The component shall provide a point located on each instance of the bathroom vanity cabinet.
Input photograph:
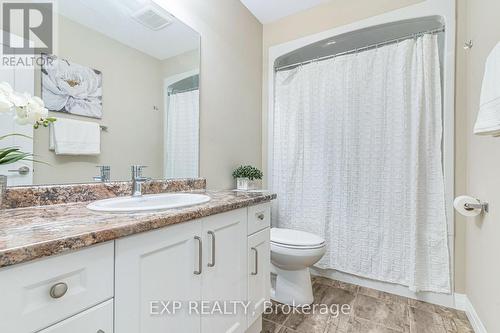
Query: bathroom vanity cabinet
(129, 285)
(204, 260)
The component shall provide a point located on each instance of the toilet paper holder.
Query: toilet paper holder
(483, 206)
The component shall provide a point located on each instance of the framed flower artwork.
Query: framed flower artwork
(71, 88)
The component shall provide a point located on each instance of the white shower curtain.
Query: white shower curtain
(182, 135)
(357, 159)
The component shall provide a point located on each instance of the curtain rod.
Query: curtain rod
(364, 48)
(180, 91)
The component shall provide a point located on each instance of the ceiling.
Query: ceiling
(267, 11)
(113, 19)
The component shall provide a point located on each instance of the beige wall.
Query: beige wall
(132, 85)
(332, 14)
(181, 63)
(480, 19)
(230, 85)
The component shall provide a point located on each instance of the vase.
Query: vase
(244, 184)
(3, 188)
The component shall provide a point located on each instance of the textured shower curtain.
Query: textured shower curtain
(357, 159)
(182, 135)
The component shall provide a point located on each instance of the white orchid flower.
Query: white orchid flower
(35, 111)
(5, 104)
(37, 100)
(20, 99)
(6, 89)
(28, 109)
(5, 97)
(21, 116)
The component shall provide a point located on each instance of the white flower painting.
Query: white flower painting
(72, 88)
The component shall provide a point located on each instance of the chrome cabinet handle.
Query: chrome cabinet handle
(58, 290)
(212, 263)
(200, 254)
(261, 216)
(256, 261)
(24, 170)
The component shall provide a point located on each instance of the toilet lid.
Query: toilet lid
(295, 238)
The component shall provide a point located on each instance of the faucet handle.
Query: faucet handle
(104, 174)
(137, 170)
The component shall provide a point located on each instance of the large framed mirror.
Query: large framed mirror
(123, 85)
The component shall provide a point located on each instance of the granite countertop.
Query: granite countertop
(36, 232)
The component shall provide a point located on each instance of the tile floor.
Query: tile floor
(371, 311)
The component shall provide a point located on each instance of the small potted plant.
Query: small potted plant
(27, 110)
(245, 177)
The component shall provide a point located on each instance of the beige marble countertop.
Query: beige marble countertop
(36, 232)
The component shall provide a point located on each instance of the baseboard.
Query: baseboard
(474, 319)
(456, 301)
(256, 327)
(447, 300)
(461, 301)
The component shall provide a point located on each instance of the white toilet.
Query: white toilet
(292, 253)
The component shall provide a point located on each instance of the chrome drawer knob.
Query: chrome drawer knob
(260, 216)
(58, 290)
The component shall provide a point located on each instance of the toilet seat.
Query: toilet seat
(295, 239)
(295, 247)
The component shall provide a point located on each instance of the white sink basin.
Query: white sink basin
(148, 203)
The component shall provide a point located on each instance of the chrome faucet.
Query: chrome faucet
(138, 180)
(104, 174)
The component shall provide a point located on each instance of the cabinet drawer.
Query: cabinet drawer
(34, 296)
(259, 217)
(98, 319)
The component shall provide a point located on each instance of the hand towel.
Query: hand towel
(75, 137)
(488, 118)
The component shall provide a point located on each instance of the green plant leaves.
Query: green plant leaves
(15, 134)
(247, 171)
(12, 155)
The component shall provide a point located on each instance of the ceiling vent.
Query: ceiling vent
(153, 18)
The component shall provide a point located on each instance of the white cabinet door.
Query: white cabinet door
(259, 284)
(98, 319)
(225, 275)
(154, 267)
